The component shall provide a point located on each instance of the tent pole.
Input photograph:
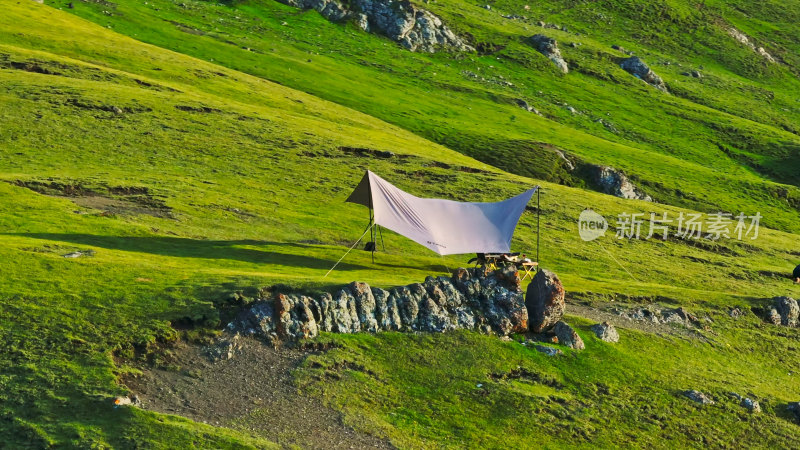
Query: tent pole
(381, 233)
(538, 213)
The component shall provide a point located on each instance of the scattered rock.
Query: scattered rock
(567, 336)
(411, 26)
(751, 405)
(524, 105)
(572, 110)
(656, 315)
(544, 300)
(736, 313)
(224, 349)
(698, 397)
(606, 332)
(639, 69)
(116, 110)
(487, 7)
(549, 351)
(489, 302)
(784, 311)
(127, 401)
(549, 48)
(615, 182)
(745, 40)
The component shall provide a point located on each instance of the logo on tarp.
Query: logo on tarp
(591, 225)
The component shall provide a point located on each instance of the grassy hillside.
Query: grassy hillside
(183, 174)
(720, 142)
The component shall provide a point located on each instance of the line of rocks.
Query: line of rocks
(489, 302)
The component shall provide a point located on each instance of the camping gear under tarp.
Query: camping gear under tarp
(447, 227)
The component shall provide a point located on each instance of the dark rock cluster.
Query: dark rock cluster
(400, 20)
(486, 301)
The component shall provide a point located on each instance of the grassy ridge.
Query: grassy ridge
(199, 180)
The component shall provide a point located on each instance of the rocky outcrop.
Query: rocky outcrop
(549, 48)
(544, 301)
(488, 302)
(745, 40)
(613, 182)
(639, 69)
(413, 27)
(784, 311)
(567, 336)
(606, 332)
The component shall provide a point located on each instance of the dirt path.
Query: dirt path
(253, 392)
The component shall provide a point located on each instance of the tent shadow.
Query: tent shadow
(198, 248)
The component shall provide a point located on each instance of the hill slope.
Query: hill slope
(181, 180)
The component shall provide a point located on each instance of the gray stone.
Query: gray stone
(606, 332)
(698, 397)
(544, 301)
(549, 48)
(751, 405)
(639, 69)
(567, 336)
(613, 182)
(365, 306)
(549, 351)
(788, 311)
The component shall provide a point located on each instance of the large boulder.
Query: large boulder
(549, 48)
(544, 301)
(639, 69)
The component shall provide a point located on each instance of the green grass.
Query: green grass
(716, 143)
(245, 181)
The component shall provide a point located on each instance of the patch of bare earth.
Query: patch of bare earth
(253, 392)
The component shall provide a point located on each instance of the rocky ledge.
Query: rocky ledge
(490, 302)
(413, 27)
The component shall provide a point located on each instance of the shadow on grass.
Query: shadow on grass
(199, 248)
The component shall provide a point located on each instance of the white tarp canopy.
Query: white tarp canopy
(444, 226)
